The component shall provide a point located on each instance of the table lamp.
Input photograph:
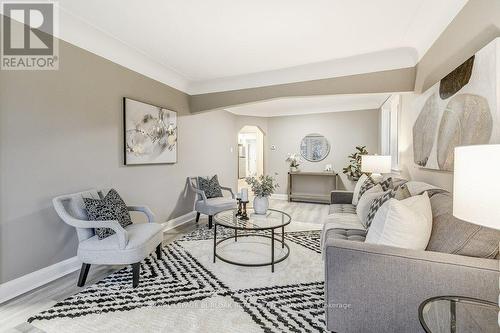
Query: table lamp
(376, 165)
(475, 185)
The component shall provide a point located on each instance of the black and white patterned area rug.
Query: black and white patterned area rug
(186, 292)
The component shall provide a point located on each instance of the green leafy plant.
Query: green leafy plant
(353, 170)
(262, 186)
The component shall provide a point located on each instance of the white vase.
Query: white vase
(260, 205)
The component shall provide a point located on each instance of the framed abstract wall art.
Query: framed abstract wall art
(150, 133)
(462, 109)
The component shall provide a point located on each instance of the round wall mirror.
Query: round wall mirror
(314, 147)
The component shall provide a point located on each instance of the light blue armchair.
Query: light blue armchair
(129, 245)
(211, 206)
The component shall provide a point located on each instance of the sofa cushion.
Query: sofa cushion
(343, 221)
(346, 234)
(215, 205)
(343, 217)
(142, 239)
(452, 235)
(342, 208)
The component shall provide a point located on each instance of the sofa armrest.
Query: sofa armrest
(378, 288)
(341, 197)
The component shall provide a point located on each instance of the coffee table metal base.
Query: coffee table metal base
(270, 263)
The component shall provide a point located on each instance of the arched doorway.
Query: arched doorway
(250, 154)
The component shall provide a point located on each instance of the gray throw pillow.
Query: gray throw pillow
(211, 187)
(111, 207)
(452, 235)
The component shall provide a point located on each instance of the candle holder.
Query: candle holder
(238, 213)
(244, 215)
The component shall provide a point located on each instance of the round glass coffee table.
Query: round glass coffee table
(256, 226)
(452, 314)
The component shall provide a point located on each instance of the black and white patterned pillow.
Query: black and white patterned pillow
(211, 187)
(368, 184)
(400, 193)
(111, 207)
(376, 204)
(387, 184)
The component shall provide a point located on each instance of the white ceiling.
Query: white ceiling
(202, 46)
(311, 104)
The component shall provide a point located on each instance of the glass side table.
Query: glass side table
(456, 314)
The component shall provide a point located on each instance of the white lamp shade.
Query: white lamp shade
(476, 196)
(376, 163)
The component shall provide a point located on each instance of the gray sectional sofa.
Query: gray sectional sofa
(376, 288)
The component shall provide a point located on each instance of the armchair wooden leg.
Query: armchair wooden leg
(136, 270)
(210, 218)
(158, 251)
(84, 271)
(197, 217)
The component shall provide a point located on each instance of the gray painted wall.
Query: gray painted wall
(61, 132)
(344, 131)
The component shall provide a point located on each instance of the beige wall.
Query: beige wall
(61, 132)
(344, 131)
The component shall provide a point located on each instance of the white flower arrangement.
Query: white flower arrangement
(294, 160)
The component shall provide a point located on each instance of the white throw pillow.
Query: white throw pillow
(360, 182)
(365, 202)
(406, 223)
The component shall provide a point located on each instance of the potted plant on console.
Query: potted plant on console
(294, 160)
(262, 187)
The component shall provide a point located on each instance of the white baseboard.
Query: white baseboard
(19, 286)
(28, 282)
(277, 196)
(173, 223)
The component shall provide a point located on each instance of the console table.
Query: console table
(315, 186)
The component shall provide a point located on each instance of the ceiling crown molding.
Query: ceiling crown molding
(78, 32)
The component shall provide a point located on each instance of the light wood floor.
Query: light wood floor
(14, 313)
